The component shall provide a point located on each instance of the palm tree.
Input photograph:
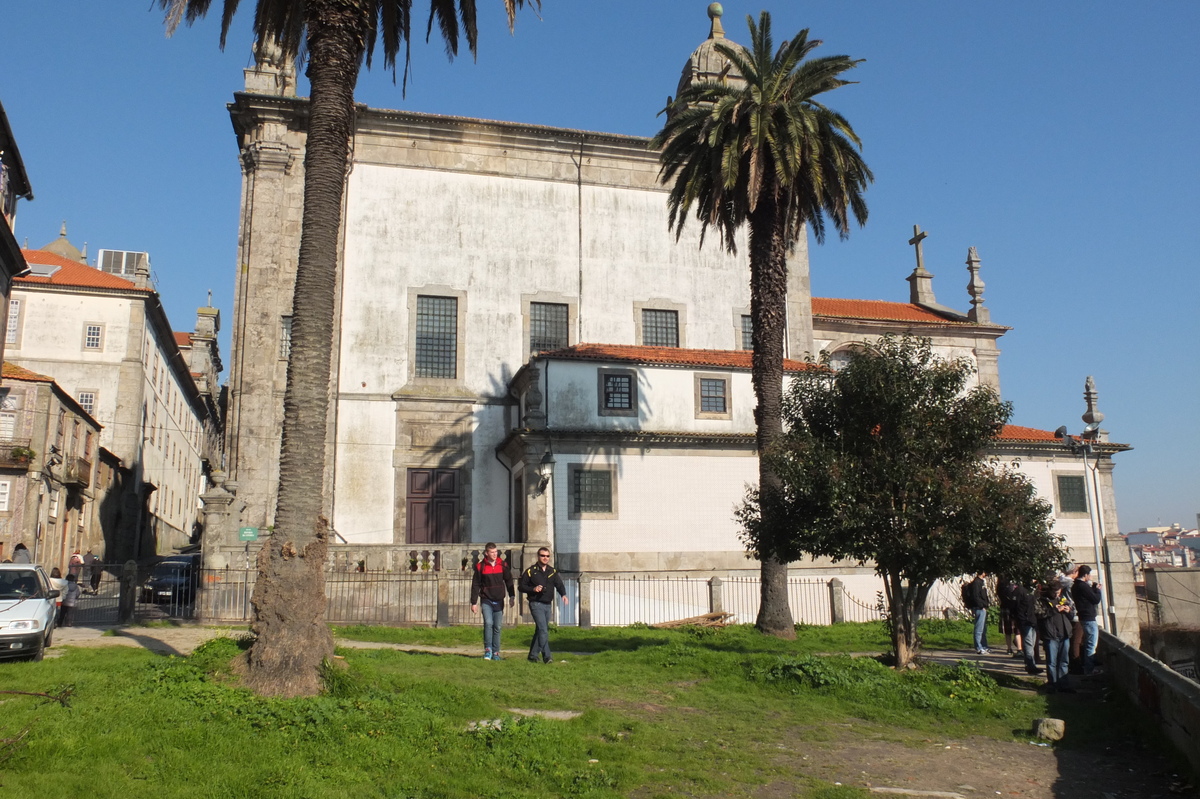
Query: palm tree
(291, 638)
(764, 150)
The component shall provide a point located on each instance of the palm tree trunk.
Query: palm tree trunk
(768, 312)
(292, 640)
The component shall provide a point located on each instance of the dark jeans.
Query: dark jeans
(1058, 660)
(1091, 634)
(493, 622)
(1029, 647)
(541, 638)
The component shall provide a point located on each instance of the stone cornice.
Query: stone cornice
(849, 324)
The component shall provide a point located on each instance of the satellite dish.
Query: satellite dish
(1061, 432)
(1091, 428)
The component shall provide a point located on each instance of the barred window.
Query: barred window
(285, 337)
(747, 332)
(87, 401)
(1072, 497)
(91, 337)
(660, 328)
(618, 392)
(591, 491)
(547, 327)
(712, 395)
(437, 337)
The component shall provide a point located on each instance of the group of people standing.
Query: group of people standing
(1060, 613)
(492, 583)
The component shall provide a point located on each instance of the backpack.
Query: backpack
(967, 599)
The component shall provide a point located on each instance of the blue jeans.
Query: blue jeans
(493, 621)
(1058, 659)
(541, 637)
(1028, 644)
(1091, 634)
(980, 628)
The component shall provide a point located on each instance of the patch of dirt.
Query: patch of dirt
(860, 755)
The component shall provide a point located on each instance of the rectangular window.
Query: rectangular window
(1072, 497)
(712, 396)
(14, 322)
(92, 337)
(8, 426)
(548, 323)
(53, 509)
(5, 490)
(660, 328)
(591, 491)
(285, 337)
(618, 392)
(87, 401)
(437, 337)
(747, 332)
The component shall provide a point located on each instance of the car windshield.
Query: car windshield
(170, 568)
(19, 584)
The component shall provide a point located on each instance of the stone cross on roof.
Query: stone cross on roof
(919, 236)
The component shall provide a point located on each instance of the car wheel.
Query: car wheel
(49, 637)
(37, 653)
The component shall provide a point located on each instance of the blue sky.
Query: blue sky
(1058, 138)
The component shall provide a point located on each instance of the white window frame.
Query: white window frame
(5, 494)
(88, 327)
(12, 333)
(87, 393)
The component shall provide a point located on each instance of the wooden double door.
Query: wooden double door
(434, 506)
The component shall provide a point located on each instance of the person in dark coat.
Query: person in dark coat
(1087, 603)
(975, 597)
(1055, 622)
(538, 583)
(1025, 617)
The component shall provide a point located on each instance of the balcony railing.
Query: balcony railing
(15, 453)
(78, 472)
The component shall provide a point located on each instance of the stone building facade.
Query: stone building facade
(497, 282)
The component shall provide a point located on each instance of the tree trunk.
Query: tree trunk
(292, 640)
(904, 605)
(768, 313)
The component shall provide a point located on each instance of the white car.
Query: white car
(27, 611)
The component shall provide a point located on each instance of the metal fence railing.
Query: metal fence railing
(617, 601)
(808, 599)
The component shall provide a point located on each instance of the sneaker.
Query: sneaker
(533, 660)
(495, 656)
(983, 651)
(548, 660)
(487, 654)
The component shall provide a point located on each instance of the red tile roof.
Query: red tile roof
(1012, 432)
(668, 356)
(183, 339)
(13, 372)
(73, 273)
(877, 310)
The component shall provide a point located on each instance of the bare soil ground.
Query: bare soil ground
(861, 754)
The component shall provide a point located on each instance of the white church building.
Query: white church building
(526, 353)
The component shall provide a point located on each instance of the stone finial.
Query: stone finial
(1092, 416)
(978, 313)
(716, 31)
(920, 282)
(273, 73)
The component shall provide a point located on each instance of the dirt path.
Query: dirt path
(858, 753)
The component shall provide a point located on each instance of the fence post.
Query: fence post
(837, 602)
(716, 599)
(443, 599)
(585, 601)
(128, 598)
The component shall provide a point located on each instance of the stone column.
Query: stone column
(716, 600)
(837, 601)
(585, 602)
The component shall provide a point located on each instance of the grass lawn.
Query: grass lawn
(664, 713)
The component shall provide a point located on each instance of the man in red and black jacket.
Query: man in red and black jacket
(490, 582)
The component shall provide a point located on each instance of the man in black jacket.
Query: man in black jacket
(1087, 601)
(538, 583)
(976, 599)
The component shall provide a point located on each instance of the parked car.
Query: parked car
(27, 611)
(173, 580)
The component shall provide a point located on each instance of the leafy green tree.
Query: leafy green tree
(762, 150)
(883, 463)
(334, 37)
